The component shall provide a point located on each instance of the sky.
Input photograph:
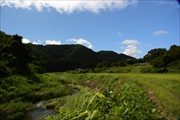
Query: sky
(132, 27)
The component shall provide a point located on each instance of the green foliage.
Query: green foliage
(112, 56)
(23, 59)
(112, 99)
(121, 63)
(172, 84)
(17, 93)
(130, 61)
(165, 89)
(14, 110)
(174, 67)
(104, 96)
(161, 57)
(64, 57)
(14, 54)
(154, 53)
(71, 57)
(154, 70)
(4, 70)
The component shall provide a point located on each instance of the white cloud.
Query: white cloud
(24, 40)
(52, 42)
(38, 42)
(131, 48)
(134, 42)
(69, 6)
(81, 41)
(116, 51)
(159, 32)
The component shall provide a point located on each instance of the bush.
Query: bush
(174, 65)
(14, 110)
(122, 64)
(154, 70)
(4, 70)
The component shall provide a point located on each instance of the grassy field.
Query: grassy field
(101, 96)
(120, 96)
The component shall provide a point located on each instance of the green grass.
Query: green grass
(102, 95)
(169, 85)
(114, 97)
(25, 90)
(14, 110)
(166, 88)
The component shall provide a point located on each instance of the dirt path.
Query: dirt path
(167, 90)
(159, 107)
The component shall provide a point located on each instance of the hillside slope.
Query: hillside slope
(68, 57)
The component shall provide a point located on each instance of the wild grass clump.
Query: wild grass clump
(14, 110)
(50, 92)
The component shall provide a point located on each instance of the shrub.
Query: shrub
(154, 70)
(175, 64)
(14, 110)
(4, 70)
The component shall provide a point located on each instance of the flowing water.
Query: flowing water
(40, 110)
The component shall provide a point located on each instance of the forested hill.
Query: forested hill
(113, 56)
(19, 58)
(68, 57)
(65, 57)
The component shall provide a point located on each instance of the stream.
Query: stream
(40, 110)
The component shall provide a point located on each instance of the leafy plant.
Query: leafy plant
(119, 99)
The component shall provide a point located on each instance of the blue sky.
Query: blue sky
(131, 27)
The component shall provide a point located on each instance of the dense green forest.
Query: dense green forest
(19, 58)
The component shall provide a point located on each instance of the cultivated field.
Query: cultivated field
(119, 96)
(92, 96)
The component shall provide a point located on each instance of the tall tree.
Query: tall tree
(152, 54)
(14, 54)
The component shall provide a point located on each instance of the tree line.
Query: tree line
(160, 57)
(19, 58)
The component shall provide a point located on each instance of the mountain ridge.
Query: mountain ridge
(72, 56)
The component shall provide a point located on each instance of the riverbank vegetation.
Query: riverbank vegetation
(19, 93)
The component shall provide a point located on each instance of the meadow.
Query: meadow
(120, 96)
(100, 96)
